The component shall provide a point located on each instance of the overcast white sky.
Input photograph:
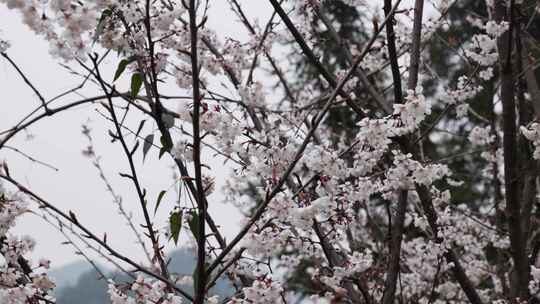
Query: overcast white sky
(58, 141)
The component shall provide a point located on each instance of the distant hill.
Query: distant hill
(67, 275)
(87, 290)
(79, 282)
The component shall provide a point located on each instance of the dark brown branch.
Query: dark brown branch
(334, 259)
(512, 178)
(142, 200)
(398, 228)
(201, 279)
(27, 81)
(449, 255)
(392, 54)
(313, 59)
(395, 249)
(31, 158)
(224, 268)
(360, 73)
(416, 42)
(23, 126)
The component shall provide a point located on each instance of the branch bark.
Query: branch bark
(134, 177)
(201, 278)
(512, 180)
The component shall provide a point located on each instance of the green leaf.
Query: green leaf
(101, 24)
(194, 224)
(175, 222)
(159, 198)
(134, 148)
(121, 68)
(168, 120)
(136, 83)
(141, 125)
(148, 141)
(166, 143)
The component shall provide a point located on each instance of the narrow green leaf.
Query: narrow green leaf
(148, 141)
(168, 120)
(122, 66)
(175, 222)
(120, 69)
(134, 148)
(136, 83)
(166, 143)
(141, 125)
(159, 198)
(194, 225)
(101, 24)
(161, 152)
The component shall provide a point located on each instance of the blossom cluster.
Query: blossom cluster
(145, 291)
(20, 281)
(532, 133)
